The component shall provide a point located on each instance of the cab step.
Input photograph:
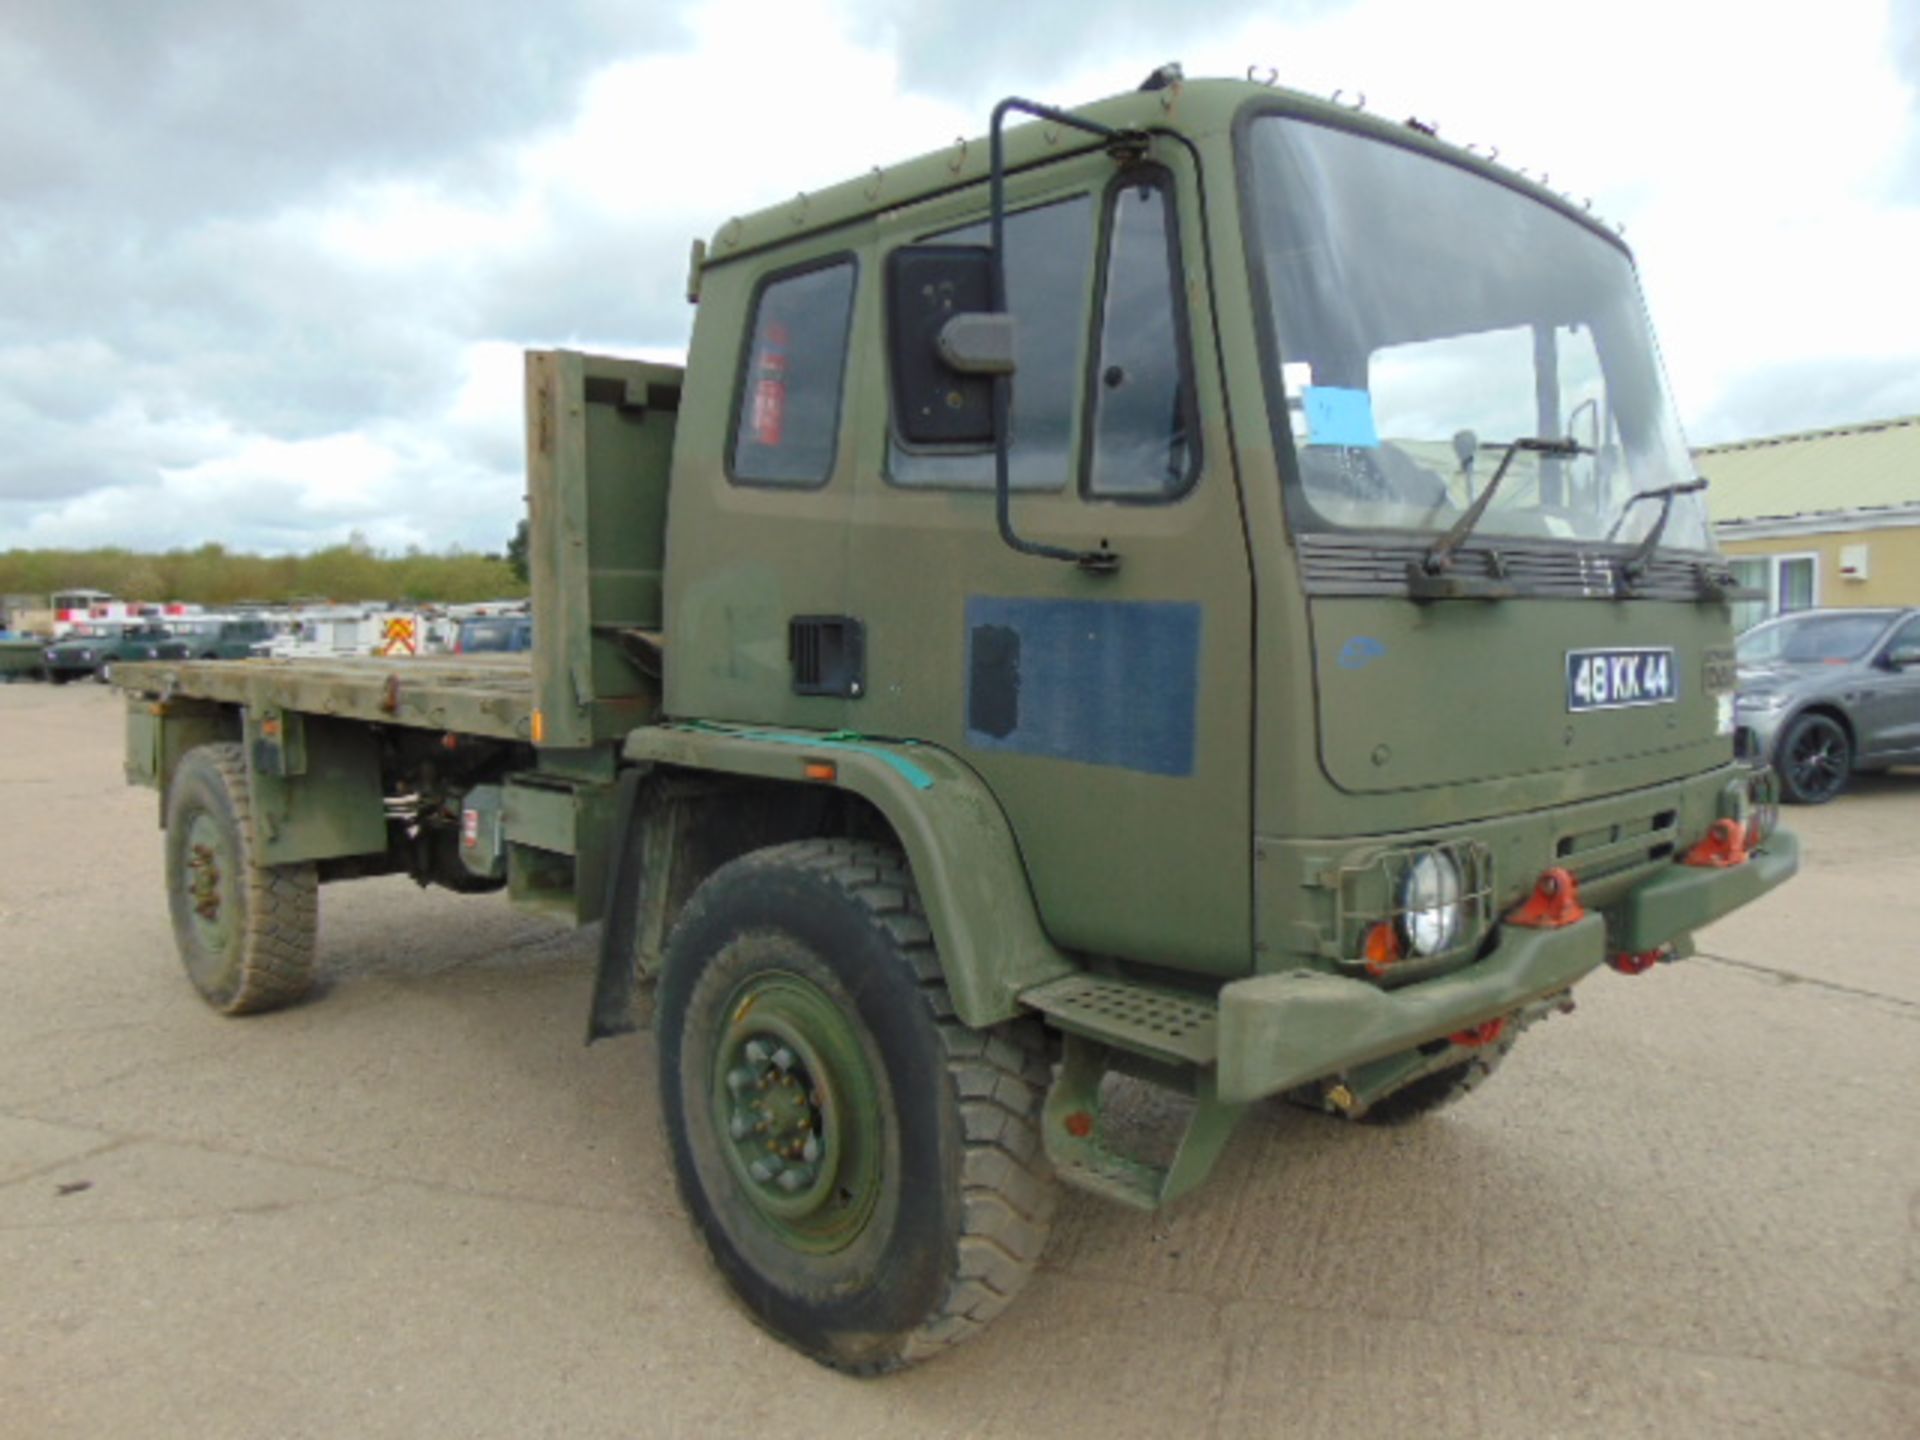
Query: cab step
(1165, 1024)
(1100, 1016)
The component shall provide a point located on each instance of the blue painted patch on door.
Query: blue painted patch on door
(1101, 682)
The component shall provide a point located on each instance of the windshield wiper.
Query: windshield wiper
(1635, 565)
(1440, 555)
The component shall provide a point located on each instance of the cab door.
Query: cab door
(1109, 712)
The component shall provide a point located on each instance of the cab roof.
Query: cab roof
(1190, 108)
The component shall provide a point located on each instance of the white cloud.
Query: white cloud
(271, 362)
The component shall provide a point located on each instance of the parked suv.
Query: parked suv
(94, 649)
(216, 637)
(1824, 693)
(511, 633)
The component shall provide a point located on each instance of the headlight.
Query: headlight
(1760, 700)
(1430, 909)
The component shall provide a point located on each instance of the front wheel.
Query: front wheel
(866, 1170)
(1815, 759)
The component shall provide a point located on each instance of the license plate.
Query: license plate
(1616, 679)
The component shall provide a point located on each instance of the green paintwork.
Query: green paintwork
(1280, 1030)
(743, 559)
(329, 804)
(1190, 925)
(160, 733)
(1083, 1155)
(558, 817)
(963, 856)
(1422, 732)
(482, 695)
(600, 436)
(1683, 898)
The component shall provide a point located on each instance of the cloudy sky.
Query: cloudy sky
(266, 266)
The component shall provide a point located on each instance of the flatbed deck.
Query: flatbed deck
(488, 695)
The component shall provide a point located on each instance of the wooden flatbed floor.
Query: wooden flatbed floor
(489, 695)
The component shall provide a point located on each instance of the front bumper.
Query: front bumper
(1282, 1030)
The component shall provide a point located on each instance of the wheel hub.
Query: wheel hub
(203, 866)
(795, 1105)
(776, 1113)
(208, 881)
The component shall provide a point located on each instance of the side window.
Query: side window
(1143, 431)
(1049, 256)
(789, 405)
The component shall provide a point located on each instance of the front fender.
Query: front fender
(958, 843)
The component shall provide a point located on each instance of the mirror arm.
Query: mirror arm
(1102, 561)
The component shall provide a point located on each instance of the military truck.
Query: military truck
(1208, 587)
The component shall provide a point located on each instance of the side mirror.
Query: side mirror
(1903, 656)
(945, 343)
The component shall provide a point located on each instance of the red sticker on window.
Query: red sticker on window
(769, 411)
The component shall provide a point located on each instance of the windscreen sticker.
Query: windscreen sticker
(1360, 652)
(1339, 416)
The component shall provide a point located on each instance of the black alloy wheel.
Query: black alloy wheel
(1814, 761)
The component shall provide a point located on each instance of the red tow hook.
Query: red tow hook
(1555, 902)
(1479, 1035)
(1628, 962)
(1725, 846)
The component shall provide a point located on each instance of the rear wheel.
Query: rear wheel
(866, 1170)
(1815, 759)
(245, 931)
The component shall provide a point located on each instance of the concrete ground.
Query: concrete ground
(419, 1207)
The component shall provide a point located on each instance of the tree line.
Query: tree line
(211, 574)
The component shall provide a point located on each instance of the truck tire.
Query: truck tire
(245, 931)
(866, 1171)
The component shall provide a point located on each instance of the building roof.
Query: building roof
(1874, 466)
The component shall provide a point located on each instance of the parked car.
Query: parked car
(1824, 693)
(22, 657)
(93, 649)
(497, 633)
(225, 637)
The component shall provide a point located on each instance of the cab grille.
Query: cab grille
(1624, 845)
(1376, 564)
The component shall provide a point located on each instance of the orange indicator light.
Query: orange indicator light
(822, 770)
(1383, 947)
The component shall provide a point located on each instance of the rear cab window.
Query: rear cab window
(787, 409)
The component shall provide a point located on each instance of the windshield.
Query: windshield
(492, 634)
(1426, 317)
(1811, 639)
